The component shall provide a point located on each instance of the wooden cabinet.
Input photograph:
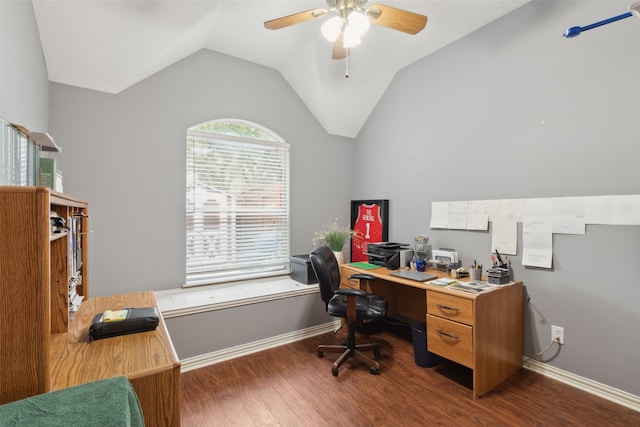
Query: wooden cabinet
(35, 267)
(480, 331)
(44, 344)
(148, 359)
(68, 258)
(450, 323)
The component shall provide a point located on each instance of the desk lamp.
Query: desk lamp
(575, 31)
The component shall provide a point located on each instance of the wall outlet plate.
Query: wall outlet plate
(557, 334)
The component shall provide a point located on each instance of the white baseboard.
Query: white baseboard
(609, 393)
(212, 358)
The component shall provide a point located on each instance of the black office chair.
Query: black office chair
(354, 305)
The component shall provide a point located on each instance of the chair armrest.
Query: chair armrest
(362, 276)
(351, 292)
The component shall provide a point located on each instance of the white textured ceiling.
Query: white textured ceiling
(109, 45)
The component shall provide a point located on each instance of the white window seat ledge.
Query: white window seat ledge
(185, 301)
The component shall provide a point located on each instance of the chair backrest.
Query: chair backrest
(327, 271)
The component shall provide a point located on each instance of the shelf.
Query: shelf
(45, 141)
(41, 262)
(56, 236)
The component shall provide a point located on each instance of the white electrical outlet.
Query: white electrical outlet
(557, 334)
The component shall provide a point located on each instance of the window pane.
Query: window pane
(237, 203)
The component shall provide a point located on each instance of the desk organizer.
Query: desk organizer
(442, 266)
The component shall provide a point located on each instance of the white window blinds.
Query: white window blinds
(237, 213)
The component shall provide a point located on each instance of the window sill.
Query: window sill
(181, 301)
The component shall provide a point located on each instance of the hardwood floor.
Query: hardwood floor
(291, 386)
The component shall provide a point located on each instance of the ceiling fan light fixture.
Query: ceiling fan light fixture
(331, 28)
(352, 22)
(358, 23)
(351, 37)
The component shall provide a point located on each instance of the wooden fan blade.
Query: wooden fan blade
(397, 19)
(339, 51)
(296, 18)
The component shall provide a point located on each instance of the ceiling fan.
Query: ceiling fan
(351, 22)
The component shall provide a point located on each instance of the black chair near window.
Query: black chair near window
(354, 305)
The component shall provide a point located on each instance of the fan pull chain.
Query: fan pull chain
(346, 70)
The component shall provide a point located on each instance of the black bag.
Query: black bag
(121, 322)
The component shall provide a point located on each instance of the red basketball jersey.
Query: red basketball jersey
(368, 229)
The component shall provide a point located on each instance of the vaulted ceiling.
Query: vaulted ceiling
(110, 45)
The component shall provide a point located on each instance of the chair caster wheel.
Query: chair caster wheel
(320, 354)
(376, 354)
(373, 370)
(334, 371)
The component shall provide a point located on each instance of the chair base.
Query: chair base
(352, 351)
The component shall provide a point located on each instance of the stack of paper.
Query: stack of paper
(474, 287)
(443, 281)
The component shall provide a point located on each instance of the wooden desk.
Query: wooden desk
(480, 331)
(148, 359)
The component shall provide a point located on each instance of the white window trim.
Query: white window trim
(192, 300)
(278, 142)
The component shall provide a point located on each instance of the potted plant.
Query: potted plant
(335, 236)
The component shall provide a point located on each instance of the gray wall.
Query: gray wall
(514, 110)
(517, 111)
(24, 87)
(125, 153)
(203, 333)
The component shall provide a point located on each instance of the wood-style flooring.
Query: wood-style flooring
(291, 386)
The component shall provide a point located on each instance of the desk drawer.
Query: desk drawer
(451, 307)
(345, 282)
(450, 340)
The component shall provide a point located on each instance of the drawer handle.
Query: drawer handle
(441, 332)
(444, 307)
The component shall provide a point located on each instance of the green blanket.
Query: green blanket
(105, 403)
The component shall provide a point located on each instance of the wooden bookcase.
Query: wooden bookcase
(35, 268)
(44, 346)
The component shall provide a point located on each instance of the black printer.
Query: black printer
(389, 254)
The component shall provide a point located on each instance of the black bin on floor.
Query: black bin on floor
(424, 358)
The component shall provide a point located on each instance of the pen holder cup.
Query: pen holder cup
(475, 273)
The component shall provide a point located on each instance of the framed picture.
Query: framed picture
(370, 223)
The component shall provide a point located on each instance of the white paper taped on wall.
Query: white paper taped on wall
(540, 217)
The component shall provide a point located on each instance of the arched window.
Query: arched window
(237, 211)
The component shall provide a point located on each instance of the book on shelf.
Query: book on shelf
(18, 156)
(58, 181)
(74, 248)
(74, 304)
(73, 282)
(74, 298)
(50, 176)
(48, 172)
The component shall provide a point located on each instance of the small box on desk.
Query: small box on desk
(498, 276)
(301, 270)
(498, 280)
